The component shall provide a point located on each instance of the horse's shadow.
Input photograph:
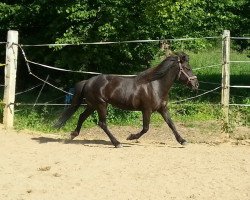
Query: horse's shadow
(86, 142)
(95, 142)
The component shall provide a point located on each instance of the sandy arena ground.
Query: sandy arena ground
(43, 167)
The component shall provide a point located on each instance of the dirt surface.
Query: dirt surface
(40, 166)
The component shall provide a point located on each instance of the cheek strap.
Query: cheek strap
(187, 76)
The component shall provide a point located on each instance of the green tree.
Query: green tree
(51, 21)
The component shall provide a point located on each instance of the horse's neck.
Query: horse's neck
(167, 81)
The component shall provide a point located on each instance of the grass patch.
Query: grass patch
(43, 119)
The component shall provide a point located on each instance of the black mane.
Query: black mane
(157, 72)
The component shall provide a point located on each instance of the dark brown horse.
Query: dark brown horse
(147, 92)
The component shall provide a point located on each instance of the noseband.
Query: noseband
(190, 78)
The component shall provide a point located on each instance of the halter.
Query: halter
(190, 78)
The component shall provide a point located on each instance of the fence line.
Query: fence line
(220, 93)
(209, 91)
(241, 105)
(18, 93)
(209, 83)
(42, 104)
(45, 81)
(86, 72)
(240, 38)
(118, 42)
(226, 62)
(239, 86)
(48, 103)
(40, 92)
(211, 66)
(95, 73)
(32, 74)
(60, 69)
(239, 61)
(175, 102)
(48, 83)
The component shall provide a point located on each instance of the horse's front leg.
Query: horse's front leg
(88, 111)
(146, 119)
(102, 113)
(165, 114)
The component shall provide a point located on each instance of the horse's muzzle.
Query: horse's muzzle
(195, 85)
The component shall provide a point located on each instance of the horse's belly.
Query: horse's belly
(127, 103)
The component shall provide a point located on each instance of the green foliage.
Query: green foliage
(31, 118)
(121, 117)
(195, 111)
(51, 21)
(43, 118)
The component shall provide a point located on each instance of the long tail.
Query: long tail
(76, 103)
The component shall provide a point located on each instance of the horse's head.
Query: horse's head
(185, 74)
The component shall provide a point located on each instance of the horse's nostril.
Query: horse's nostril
(197, 84)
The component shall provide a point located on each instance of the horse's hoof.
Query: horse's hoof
(118, 146)
(131, 137)
(184, 143)
(73, 135)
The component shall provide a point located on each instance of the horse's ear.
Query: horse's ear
(183, 57)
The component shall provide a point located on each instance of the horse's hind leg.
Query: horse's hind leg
(165, 114)
(88, 111)
(102, 113)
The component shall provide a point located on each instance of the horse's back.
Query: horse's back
(112, 89)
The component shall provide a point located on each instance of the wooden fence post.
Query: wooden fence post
(225, 78)
(10, 78)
